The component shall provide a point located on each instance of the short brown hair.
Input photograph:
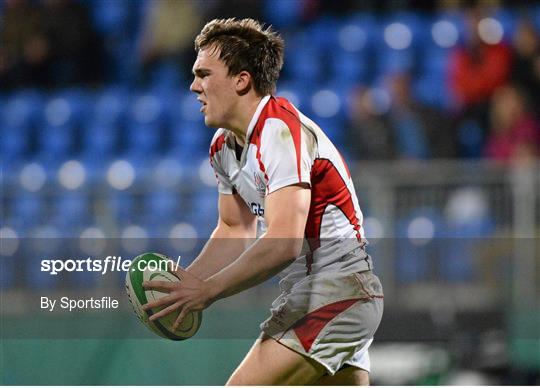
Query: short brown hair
(245, 45)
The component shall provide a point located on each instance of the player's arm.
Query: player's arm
(235, 231)
(286, 214)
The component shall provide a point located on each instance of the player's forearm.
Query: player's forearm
(224, 246)
(262, 260)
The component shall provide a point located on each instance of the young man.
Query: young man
(273, 162)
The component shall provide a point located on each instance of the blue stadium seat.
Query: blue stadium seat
(304, 62)
(27, 209)
(110, 106)
(347, 67)
(469, 222)
(411, 140)
(110, 17)
(14, 143)
(368, 25)
(301, 90)
(322, 33)
(123, 66)
(400, 56)
(56, 144)
(100, 139)
(190, 138)
(434, 62)
(394, 61)
(162, 207)
(147, 108)
(418, 23)
(122, 207)
(454, 16)
(457, 259)
(184, 107)
(507, 18)
(201, 210)
(68, 107)
(428, 91)
(415, 260)
(95, 165)
(143, 139)
(71, 212)
(22, 109)
(283, 13)
(333, 128)
(166, 76)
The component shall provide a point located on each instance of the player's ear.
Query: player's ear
(243, 82)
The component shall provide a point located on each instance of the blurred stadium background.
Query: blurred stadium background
(434, 104)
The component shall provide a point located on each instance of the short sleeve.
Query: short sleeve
(216, 152)
(284, 154)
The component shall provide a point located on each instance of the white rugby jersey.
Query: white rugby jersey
(284, 147)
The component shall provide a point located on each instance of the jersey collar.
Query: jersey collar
(255, 117)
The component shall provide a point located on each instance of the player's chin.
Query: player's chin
(210, 123)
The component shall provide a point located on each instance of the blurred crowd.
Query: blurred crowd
(483, 104)
(48, 44)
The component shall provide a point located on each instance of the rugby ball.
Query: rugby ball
(153, 267)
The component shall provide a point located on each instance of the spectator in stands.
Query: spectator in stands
(167, 35)
(420, 131)
(477, 69)
(48, 44)
(25, 56)
(76, 50)
(526, 63)
(403, 128)
(515, 132)
(369, 134)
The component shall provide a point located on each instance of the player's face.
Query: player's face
(214, 87)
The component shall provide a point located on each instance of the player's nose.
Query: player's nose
(195, 86)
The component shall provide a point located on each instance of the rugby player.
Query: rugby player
(274, 163)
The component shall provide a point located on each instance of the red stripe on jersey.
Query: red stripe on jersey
(281, 109)
(217, 145)
(308, 328)
(293, 122)
(255, 139)
(328, 187)
(345, 164)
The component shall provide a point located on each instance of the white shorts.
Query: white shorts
(329, 317)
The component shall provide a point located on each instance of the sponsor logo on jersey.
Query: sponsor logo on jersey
(256, 209)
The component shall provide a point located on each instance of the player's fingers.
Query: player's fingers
(185, 310)
(160, 302)
(165, 311)
(159, 286)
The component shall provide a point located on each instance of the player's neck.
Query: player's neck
(244, 113)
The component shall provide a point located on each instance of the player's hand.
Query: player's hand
(190, 294)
